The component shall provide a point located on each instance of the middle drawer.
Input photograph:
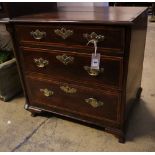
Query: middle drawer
(74, 67)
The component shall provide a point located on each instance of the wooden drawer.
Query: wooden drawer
(74, 99)
(76, 69)
(60, 35)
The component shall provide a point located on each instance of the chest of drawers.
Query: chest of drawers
(54, 63)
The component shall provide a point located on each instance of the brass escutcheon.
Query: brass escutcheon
(94, 102)
(47, 92)
(64, 33)
(93, 37)
(65, 59)
(93, 72)
(37, 34)
(67, 89)
(40, 62)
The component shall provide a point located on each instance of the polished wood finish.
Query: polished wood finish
(95, 15)
(68, 89)
(72, 103)
(113, 36)
(111, 76)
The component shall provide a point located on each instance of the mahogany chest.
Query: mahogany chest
(54, 53)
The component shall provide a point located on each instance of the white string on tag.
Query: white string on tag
(95, 46)
(95, 60)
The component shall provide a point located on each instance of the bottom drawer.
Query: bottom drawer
(73, 99)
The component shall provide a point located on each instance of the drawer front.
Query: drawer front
(108, 37)
(74, 99)
(74, 67)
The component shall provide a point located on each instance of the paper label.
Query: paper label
(95, 61)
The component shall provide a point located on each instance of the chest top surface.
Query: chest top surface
(104, 15)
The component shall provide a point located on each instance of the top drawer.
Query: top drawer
(108, 37)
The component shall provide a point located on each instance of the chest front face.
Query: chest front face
(56, 64)
(55, 61)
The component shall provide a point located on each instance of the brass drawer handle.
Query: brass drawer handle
(40, 62)
(65, 59)
(68, 89)
(93, 72)
(94, 102)
(93, 37)
(47, 92)
(38, 35)
(63, 33)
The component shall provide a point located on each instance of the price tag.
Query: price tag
(95, 61)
